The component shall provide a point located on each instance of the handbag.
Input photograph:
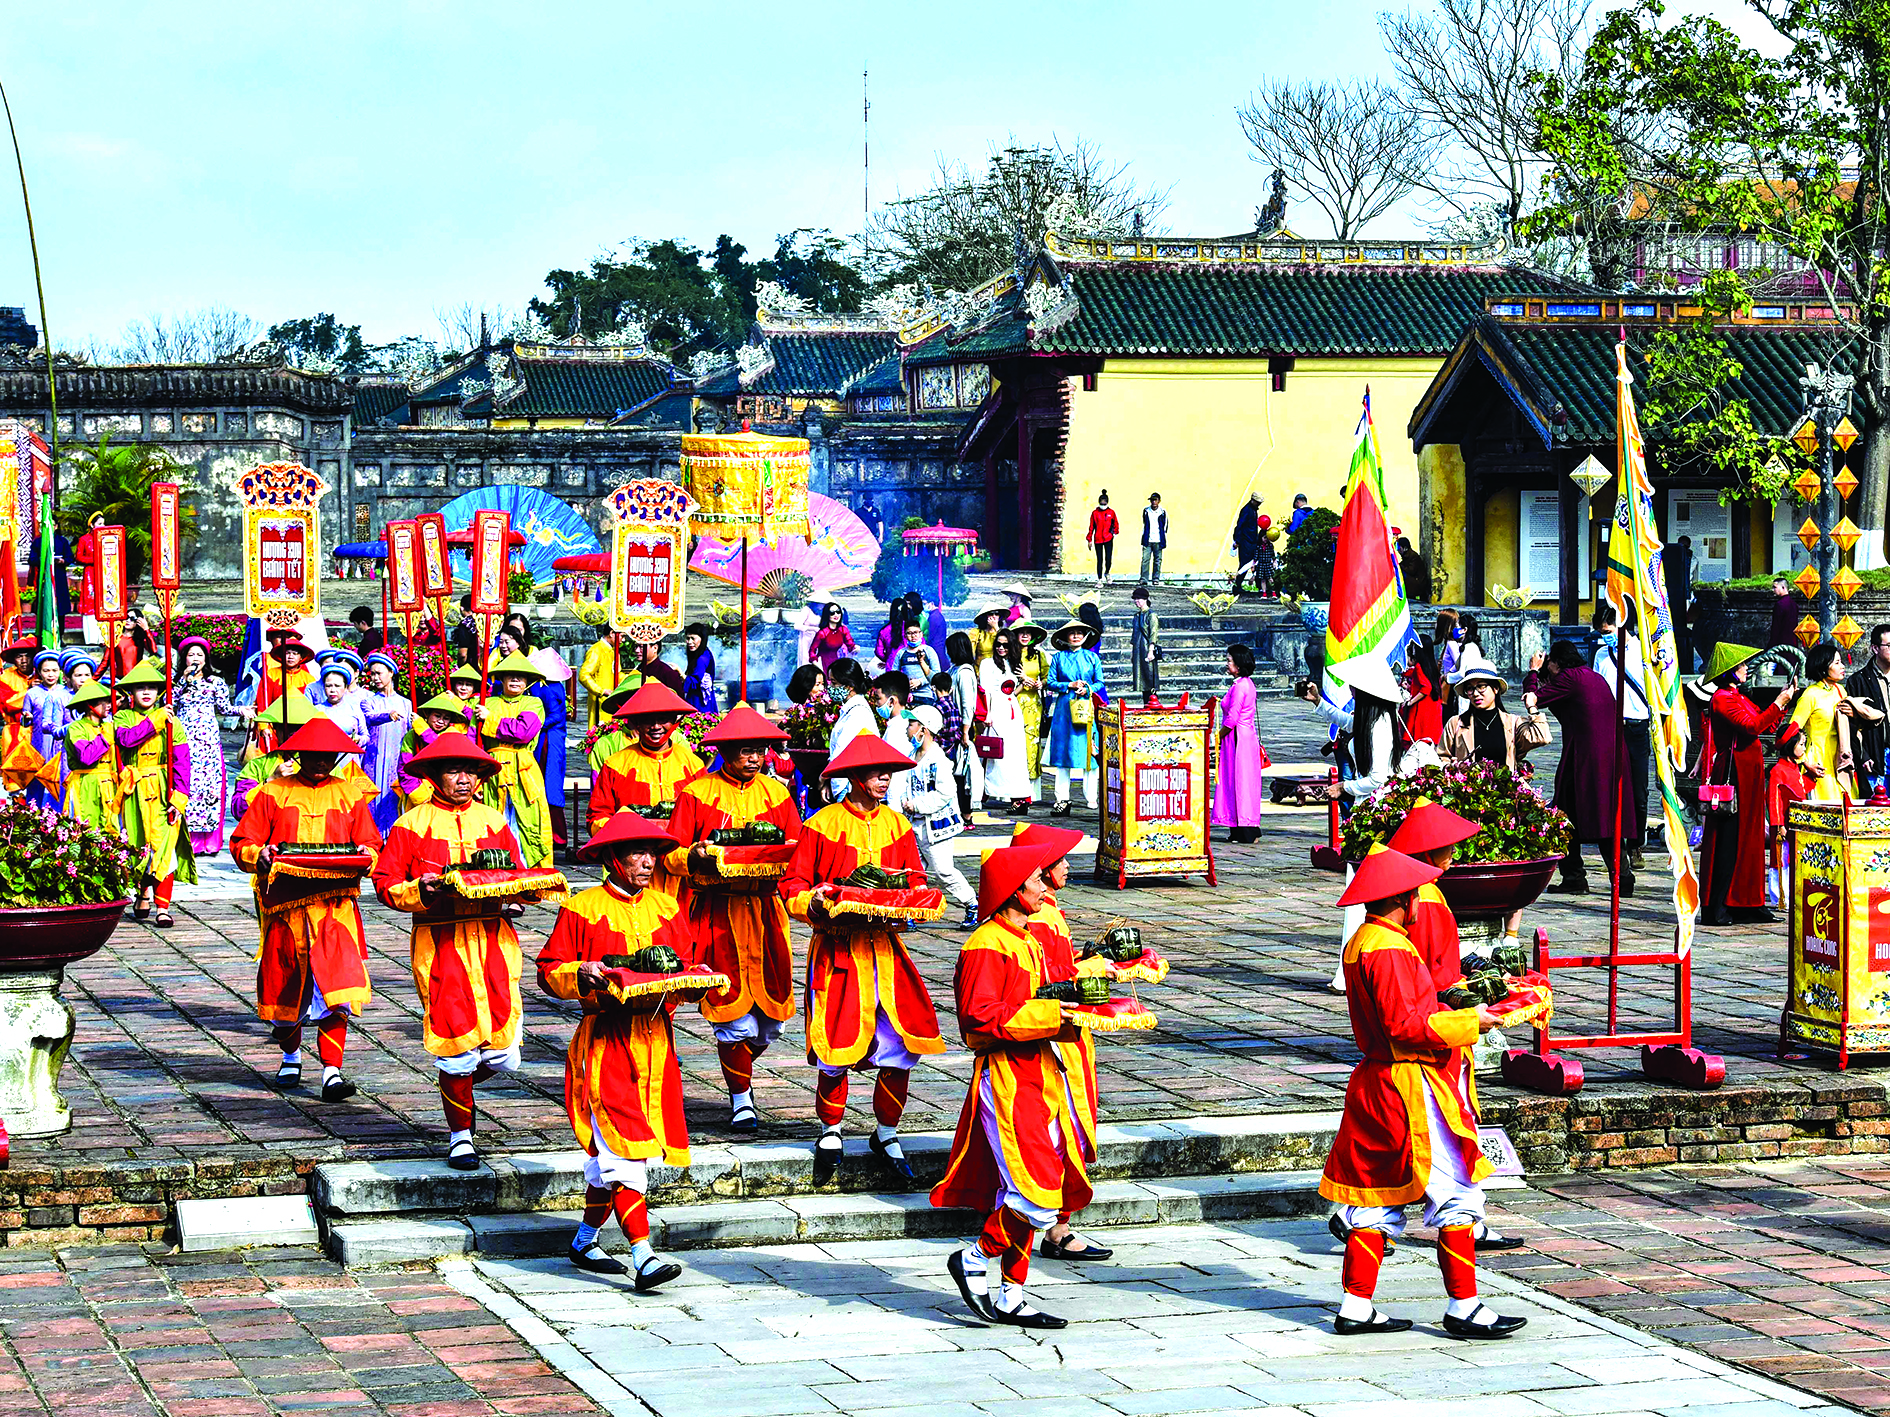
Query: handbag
(1082, 712)
(989, 746)
(936, 818)
(1718, 798)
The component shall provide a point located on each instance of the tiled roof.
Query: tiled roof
(820, 362)
(373, 402)
(1571, 368)
(584, 388)
(1156, 308)
(885, 377)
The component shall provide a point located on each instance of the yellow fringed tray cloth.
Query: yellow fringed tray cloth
(856, 908)
(1116, 1016)
(528, 885)
(1151, 968)
(624, 985)
(746, 869)
(1529, 1000)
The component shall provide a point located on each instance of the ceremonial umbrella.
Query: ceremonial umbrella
(942, 540)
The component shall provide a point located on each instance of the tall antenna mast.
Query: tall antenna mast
(866, 150)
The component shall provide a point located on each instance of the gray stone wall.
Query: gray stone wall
(906, 469)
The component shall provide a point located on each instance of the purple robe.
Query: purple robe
(1240, 788)
(1585, 779)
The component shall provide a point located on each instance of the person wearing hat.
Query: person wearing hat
(312, 967)
(927, 796)
(1789, 782)
(1824, 713)
(1020, 598)
(1592, 775)
(623, 1089)
(336, 698)
(154, 758)
(90, 791)
(465, 952)
(22, 767)
(739, 931)
(45, 703)
(1033, 674)
(200, 699)
(1407, 1131)
(443, 713)
(984, 627)
(387, 713)
(79, 667)
(510, 722)
(1075, 690)
(1485, 729)
(1052, 931)
(265, 759)
(1732, 846)
(290, 674)
(16, 664)
(1247, 542)
(1018, 1153)
(327, 658)
(600, 670)
(649, 769)
(622, 732)
(1145, 647)
(866, 1002)
(464, 683)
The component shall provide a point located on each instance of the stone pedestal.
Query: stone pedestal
(1479, 937)
(36, 1028)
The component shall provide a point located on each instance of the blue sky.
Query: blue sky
(384, 160)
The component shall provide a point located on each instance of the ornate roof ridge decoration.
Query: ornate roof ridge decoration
(579, 349)
(1656, 308)
(947, 311)
(1269, 251)
(816, 322)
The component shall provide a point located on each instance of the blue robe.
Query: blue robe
(550, 747)
(1069, 746)
(702, 666)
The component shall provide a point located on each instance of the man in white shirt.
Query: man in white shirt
(1636, 719)
(928, 797)
(1154, 539)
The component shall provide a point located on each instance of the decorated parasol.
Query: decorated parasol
(837, 551)
(544, 527)
(942, 541)
(746, 487)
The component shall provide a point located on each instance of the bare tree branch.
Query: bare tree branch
(190, 337)
(1351, 147)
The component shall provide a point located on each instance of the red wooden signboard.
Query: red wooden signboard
(113, 598)
(166, 567)
(403, 567)
(491, 530)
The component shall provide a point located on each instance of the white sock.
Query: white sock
(586, 1236)
(293, 1057)
(888, 1136)
(1011, 1298)
(739, 1100)
(641, 1253)
(829, 1139)
(974, 1261)
(330, 1075)
(1356, 1308)
(1463, 1308)
(457, 1137)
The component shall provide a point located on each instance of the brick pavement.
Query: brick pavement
(125, 1330)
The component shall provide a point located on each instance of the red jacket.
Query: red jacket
(1103, 525)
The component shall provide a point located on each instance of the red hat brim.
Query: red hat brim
(627, 829)
(294, 642)
(1060, 840)
(1428, 827)
(867, 753)
(452, 748)
(1005, 870)
(321, 734)
(742, 724)
(1385, 873)
(655, 700)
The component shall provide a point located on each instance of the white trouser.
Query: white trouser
(1063, 785)
(940, 872)
(888, 1051)
(459, 1065)
(752, 1027)
(974, 769)
(1450, 1196)
(609, 1169)
(1010, 1195)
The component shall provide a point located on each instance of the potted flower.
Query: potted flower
(1505, 866)
(808, 727)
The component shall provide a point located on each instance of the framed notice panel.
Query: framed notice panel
(1155, 792)
(1838, 960)
(648, 547)
(283, 540)
(1539, 546)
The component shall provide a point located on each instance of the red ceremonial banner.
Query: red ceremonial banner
(491, 531)
(436, 567)
(166, 567)
(403, 567)
(113, 598)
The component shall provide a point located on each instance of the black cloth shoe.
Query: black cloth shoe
(340, 1090)
(1377, 1323)
(743, 1119)
(288, 1075)
(1027, 1317)
(826, 1162)
(1340, 1230)
(1493, 1241)
(656, 1273)
(462, 1156)
(1500, 1325)
(976, 1300)
(1568, 885)
(1060, 1249)
(594, 1261)
(896, 1163)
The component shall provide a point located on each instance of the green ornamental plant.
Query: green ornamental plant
(1311, 553)
(47, 858)
(810, 725)
(1518, 824)
(115, 483)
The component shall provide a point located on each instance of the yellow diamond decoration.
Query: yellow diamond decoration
(1810, 535)
(1807, 631)
(1844, 434)
(1806, 435)
(1846, 583)
(1846, 534)
(1806, 485)
(1807, 581)
(1847, 632)
(1845, 482)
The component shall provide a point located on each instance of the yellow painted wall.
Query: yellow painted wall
(1441, 490)
(1204, 432)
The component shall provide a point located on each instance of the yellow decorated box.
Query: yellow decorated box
(1156, 790)
(1839, 967)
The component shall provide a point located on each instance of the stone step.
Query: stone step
(348, 1191)
(813, 1219)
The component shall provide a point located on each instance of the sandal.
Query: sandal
(288, 1075)
(164, 920)
(140, 911)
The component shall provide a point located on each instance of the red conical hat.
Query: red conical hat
(1005, 870)
(1428, 826)
(742, 724)
(867, 753)
(291, 641)
(627, 829)
(655, 700)
(452, 748)
(1059, 840)
(321, 734)
(1385, 873)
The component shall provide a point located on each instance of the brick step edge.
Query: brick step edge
(530, 1181)
(813, 1219)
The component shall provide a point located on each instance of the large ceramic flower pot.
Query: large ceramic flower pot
(811, 762)
(36, 1025)
(1488, 889)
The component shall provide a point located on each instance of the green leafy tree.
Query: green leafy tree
(1787, 145)
(322, 342)
(1311, 554)
(114, 482)
(895, 573)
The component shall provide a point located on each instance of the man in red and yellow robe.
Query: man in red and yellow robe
(622, 1086)
(650, 770)
(1019, 1149)
(465, 952)
(312, 964)
(866, 1003)
(1407, 1131)
(740, 924)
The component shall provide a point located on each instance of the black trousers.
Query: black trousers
(1105, 557)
